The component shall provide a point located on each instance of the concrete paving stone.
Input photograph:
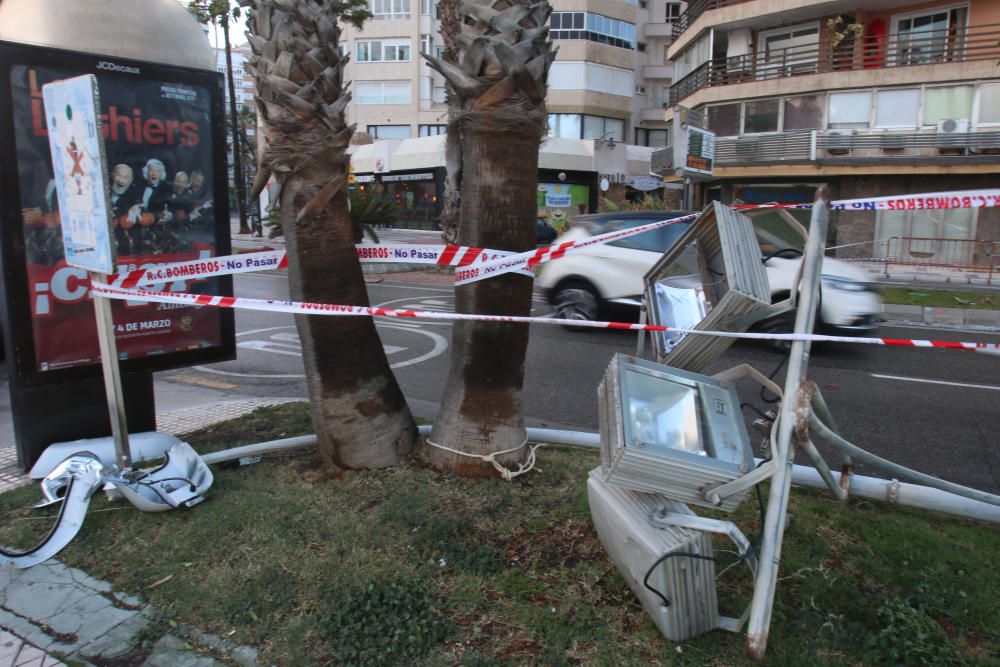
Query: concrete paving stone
(120, 639)
(29, 655)
(171, 651)
(24, 629)
(51, 661)
(10, 646)
(128, 600)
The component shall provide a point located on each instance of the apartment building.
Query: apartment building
(867, 98)
(611, 79)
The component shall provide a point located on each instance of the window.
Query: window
(389, 131)
(438, 95)
(427, 44)
(384, 50)
(788, 51)
(850, 110)
(432, 130)
(673, 11)
(897, 108)
(652, 138)
(761, 116)
(596, 127)
(382, 92)
(570, 75)
(949, 102)
(724, 120)
(804, 113)
(565, 125)
(387, 10)
(593, 27)
(657, 240)
(426, 6)
(989, 104)
(929, 37)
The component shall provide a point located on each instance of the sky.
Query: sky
(237, 36)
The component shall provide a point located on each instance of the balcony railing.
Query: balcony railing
(958, 45)
(843, 147)
(695, 9)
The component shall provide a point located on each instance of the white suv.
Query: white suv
(596, 281)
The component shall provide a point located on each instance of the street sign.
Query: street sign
(693, 147)
(81, 180)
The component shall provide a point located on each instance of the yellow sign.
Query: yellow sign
(350, 175)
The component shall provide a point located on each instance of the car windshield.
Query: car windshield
(657, 240)
(774, 232)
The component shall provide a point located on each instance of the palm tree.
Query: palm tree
(358, 409)
(496, 86)
(220, 12)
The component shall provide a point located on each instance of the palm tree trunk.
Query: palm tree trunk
(241, 193)
(497, 80)
(481, 412)
(359, 412)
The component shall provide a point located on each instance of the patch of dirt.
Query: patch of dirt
(564, 545)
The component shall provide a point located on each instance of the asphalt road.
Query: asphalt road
(933, 410)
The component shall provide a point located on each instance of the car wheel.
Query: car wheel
(576, 303)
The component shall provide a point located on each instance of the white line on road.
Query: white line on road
(903, 378)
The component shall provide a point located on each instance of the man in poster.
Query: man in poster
(125, 195)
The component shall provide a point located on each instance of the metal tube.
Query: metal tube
(112, 378)
(911, 495)
(777, 504)
(821, 409)
(903, 472)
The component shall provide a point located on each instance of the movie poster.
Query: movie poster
(159, 151)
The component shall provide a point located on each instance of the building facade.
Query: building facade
(611, 78)
(869, 99)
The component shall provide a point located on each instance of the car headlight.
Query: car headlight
(844, 284)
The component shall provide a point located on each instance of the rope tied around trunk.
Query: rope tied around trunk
(506, 473)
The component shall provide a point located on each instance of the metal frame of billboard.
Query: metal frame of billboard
(14, 282)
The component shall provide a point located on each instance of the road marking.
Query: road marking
(943, 382)
(203, 382)
(440, 344)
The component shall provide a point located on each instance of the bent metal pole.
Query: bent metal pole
(777, 502)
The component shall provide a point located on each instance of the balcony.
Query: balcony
(968, 44)
(839, 147)
(657, 30)
(658, 72)
(695, 9)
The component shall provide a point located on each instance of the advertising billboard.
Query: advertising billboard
(164, 140)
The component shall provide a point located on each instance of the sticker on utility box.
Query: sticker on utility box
(78, 162)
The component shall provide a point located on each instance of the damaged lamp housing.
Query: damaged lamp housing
(668, 431)
(711, 279)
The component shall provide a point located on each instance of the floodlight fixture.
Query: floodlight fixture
(711, 279)
(666, 430)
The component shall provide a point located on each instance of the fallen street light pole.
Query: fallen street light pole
(773, 530)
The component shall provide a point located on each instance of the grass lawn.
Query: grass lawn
(939, 298)
(412, 566)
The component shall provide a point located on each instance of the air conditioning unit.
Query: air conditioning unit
(838, 142)
(952, 135)
(953, 126)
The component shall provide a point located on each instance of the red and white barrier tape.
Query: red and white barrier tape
(930, 201)
(303, 308)
(478, 263)
(441, 255)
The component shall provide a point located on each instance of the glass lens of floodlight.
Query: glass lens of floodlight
(660, 414)
(681, 304)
